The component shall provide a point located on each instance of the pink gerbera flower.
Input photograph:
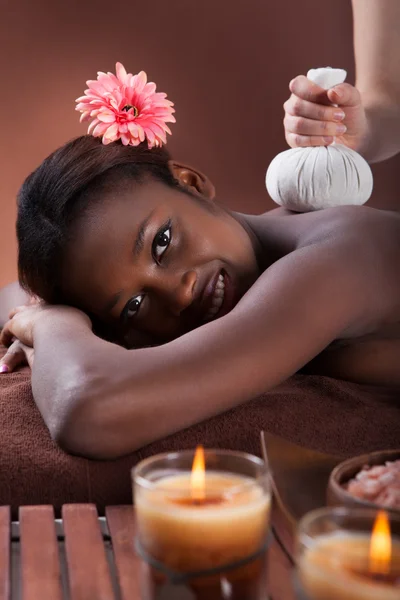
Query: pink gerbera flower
(125, 107)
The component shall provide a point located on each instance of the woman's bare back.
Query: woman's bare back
(369, 351)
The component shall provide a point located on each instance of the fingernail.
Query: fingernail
(328, 139)
(4, 369)
(339, 116)
(341, 128)
(338, 93)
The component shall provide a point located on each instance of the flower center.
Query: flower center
(128, 107)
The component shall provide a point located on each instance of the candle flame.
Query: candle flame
(198, 477)
(381, 545)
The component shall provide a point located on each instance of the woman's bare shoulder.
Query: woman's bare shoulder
(286, 231)
(361, 225)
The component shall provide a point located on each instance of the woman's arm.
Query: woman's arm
(103, 401)
(377, 52)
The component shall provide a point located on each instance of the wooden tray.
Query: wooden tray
(83, 557)
(299, 477)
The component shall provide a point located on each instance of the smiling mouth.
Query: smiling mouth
(217, 299)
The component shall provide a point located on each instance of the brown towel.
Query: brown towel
(318, 412)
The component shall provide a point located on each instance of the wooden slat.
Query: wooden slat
(121, 525)
(40, 562)
(5, 532)
(88, 570)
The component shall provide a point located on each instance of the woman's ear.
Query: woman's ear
(188, 177)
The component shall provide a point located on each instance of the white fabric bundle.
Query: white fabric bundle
(312, 178)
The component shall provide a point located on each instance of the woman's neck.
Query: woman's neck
(271, 234)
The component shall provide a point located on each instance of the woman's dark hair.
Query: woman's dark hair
(60, 190)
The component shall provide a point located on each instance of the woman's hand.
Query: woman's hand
(17, 355)
(311, 120)
(24, 319)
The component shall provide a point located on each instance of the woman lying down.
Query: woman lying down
(128, 249)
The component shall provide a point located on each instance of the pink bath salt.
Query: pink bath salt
(379, 484)
(372, 472)
(389, 498)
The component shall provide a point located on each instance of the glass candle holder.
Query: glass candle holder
(340, 555)
(205, 536)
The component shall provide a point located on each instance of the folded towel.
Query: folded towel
(317, 412)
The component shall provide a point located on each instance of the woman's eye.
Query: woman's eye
(133, 306)
(161, 242)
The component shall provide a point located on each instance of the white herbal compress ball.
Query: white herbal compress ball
(305, 179)
(312, 178)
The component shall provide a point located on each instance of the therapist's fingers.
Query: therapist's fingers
(303, 126)
(297, 107)
(345, 95)
(306, 89)
(296, 140)
(310, 120)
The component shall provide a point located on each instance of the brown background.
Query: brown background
(225, 63)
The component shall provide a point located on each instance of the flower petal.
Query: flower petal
(106, 117)
(140, 82)
(122, 75)
(100, 129)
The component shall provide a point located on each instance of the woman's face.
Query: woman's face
(155, 263)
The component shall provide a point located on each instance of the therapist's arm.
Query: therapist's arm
(370, 111)
(377, 56)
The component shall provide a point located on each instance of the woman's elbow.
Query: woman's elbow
(83, 432)
(84, 419)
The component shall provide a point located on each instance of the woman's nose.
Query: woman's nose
(180, 292)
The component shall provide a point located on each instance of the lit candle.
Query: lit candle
(352, 566)
(205, 519)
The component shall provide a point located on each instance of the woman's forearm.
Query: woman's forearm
(101, 400)
(377, 51)
(59, 379)
(111, 401)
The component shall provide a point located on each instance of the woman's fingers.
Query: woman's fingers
(16, 310)
(6, 335)
(29, 354)
(17, 354)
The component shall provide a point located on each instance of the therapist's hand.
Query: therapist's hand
(311, 120)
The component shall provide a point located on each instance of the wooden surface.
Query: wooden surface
(82, 563)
